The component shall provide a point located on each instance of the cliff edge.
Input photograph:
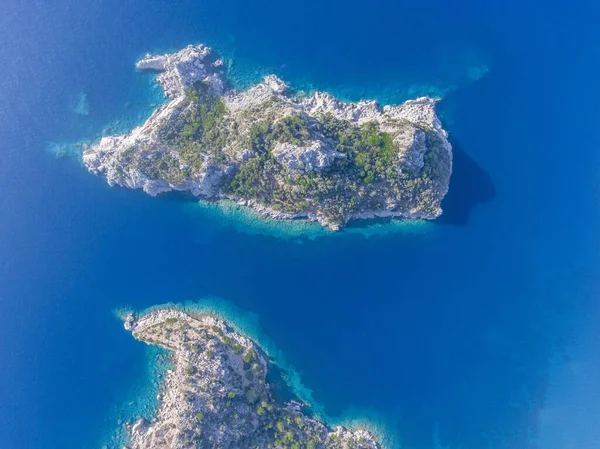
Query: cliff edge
(287, 155)
(216, 394)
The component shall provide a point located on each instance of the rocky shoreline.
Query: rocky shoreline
(287, 155)
(216, 394)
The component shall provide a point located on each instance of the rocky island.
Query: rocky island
(216, 394)
(285, 154)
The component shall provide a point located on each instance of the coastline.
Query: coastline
(246, 325)
(286, 154)
(254, 221)
(140, 398)
(229, 214)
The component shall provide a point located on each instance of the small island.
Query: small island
(216, 395)
(285, 154)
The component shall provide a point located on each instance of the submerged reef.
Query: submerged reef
(216, 394)
(285, 154)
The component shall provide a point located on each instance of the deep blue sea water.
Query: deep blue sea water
(478, 331)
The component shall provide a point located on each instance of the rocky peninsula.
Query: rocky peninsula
(216, 394)
(285, 154)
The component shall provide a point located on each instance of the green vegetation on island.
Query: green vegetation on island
(287, 155)
(216, 395)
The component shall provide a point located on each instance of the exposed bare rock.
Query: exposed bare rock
(283, 154)
(216, 395)
(412, 146)
(314, 157)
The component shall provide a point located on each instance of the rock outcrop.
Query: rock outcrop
(313, 157)
(216, 394)
(284, 154)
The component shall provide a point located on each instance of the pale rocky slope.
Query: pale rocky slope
(286, 155)
(216, 394)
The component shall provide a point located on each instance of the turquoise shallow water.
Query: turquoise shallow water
(286, 380)
(477, 330)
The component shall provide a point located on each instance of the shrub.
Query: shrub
(291, 129)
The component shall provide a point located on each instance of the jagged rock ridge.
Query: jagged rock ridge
(286, 154)
(216, 395)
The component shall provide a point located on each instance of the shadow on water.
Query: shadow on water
(282, 392)
(178, 197)
(470, 185)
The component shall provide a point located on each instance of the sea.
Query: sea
(480, 330)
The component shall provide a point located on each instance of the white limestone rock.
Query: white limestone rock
(152, 62)
(216, 394)
(420, 111)
(412, 147)
(324, 103)
(314, 157)
(148, 159)
(179, 70)
(245, 155)
(271, 87)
